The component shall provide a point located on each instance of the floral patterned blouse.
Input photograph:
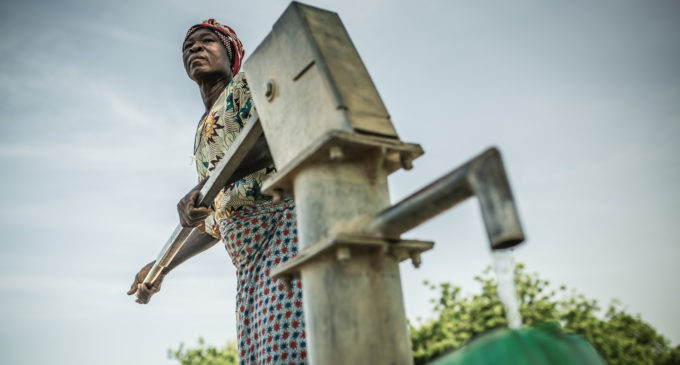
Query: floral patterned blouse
(215, 133)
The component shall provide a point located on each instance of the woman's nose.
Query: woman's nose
(196, 46)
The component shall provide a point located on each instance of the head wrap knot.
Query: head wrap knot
(228, 37)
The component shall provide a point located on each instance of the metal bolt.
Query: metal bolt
(343, 254)
(277, 196)
(336, 153)
(415, 259)
(406, 163)
(270, 90)
(286, 280)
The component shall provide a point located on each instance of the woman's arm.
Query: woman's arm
(195, 243)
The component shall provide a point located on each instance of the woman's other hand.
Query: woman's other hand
(189, 214)
(143, 291)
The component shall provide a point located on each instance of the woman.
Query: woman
(257, 233)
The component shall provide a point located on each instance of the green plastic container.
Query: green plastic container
(544, 344)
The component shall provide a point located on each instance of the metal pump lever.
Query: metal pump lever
(483, 176)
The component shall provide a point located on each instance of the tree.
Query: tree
(619, 337)
(206, 354)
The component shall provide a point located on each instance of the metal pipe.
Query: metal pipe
(483, 176)
(354, 311)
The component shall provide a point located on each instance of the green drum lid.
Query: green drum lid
(544, 344)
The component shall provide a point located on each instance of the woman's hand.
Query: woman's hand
(189, 214)
(143, 291)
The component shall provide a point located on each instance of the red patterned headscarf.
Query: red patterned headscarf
(228, 37)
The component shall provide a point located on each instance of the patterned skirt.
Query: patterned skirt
(270, 321)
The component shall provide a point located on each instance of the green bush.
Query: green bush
(619, 337)
(206, 354)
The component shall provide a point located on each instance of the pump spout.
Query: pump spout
(483, 176)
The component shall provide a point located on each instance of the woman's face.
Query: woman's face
(204, 56)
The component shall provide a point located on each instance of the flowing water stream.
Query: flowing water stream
(504, 265)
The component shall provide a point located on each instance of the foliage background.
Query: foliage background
(619, 337)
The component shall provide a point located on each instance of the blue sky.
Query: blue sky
(96, 126)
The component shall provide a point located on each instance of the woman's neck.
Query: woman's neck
(210, 90)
